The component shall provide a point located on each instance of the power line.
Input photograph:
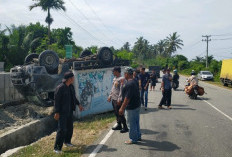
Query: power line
(78, 25)
(194, 44)
(100, 20)
(223, 48)
(225, 34)
(223, 39)
(91, 22)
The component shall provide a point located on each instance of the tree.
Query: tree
(141, 48)
(126, 47)
(93, 49)
(161, 47)
(173, 43)
(62, 36)
(47, 5)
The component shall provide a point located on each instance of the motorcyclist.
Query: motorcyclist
(175, 79)
(193, 80)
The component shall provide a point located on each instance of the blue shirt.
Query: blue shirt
(167, 82)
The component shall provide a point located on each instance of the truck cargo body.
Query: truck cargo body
(226, 72)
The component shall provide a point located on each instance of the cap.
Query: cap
(67, 75)
(129, 70)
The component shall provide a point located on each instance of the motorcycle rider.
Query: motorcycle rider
(193, 81)
(175, 79)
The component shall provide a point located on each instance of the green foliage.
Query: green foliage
(93, 49)
(125, 55)
(60, 52)
(16, 42)
(47, 5)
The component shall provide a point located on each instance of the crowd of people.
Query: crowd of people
(128, 94)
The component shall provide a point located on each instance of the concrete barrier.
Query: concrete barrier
(7, 91)
(93, 87)
(27, 134)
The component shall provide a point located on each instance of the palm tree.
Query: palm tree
(161, 47)
(173, 43)
(47, 5)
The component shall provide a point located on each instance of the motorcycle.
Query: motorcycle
(175, 84)
(194, 93)
(194, 90)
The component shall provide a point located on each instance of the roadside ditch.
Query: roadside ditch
(22, 123)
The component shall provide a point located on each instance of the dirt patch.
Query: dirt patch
(12, 117)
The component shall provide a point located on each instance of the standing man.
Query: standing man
(153, 80)
(65, 104)
(116, 100)
(136, 77)
(144, 79)
(131, 102)
(166, 88)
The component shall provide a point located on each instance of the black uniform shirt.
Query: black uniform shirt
(65, 99)
(131, 91)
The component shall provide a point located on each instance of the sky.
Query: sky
(114, 22)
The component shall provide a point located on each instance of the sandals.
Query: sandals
(160, 107)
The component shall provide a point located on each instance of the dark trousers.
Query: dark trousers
(167, 96)
(64, 132)
(120, 119)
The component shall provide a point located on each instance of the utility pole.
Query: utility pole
(207, 48)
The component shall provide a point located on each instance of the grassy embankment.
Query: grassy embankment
(85, 132)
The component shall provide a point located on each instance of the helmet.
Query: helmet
(175, 71)
(193, 72)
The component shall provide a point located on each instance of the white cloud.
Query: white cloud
(153, 19)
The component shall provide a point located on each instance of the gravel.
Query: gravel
(12, 117)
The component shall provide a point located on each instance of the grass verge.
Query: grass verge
(85, 132)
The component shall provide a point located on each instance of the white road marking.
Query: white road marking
(99, 146)
(218, 110)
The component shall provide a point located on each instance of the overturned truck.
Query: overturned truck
(37, 79)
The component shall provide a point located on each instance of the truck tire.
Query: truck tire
(29, 58)
(105, 56)
(50, 60)
(85, 53)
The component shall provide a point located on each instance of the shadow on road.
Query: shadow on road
(158, 146)
(203, 98)
(143, 111)
(179, 105)
(178, 90)
(147, 131)
(90, 149)
(178, 108)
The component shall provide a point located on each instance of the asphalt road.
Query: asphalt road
(193, 128)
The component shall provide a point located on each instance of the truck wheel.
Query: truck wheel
(30, 57)
(50, 60)
(85, 53)
(105, 56)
